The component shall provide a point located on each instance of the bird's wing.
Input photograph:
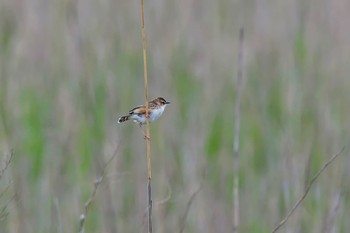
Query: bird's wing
(138, 110)
(151, 104)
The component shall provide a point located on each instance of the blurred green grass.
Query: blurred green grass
(68, 72)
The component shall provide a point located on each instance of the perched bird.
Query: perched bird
(138, 114)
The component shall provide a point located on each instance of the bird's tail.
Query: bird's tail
(123, 118)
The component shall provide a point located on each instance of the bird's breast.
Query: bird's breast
(156, 113)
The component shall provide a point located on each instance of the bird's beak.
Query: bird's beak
(167, 102)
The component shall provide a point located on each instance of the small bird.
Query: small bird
(138, 114)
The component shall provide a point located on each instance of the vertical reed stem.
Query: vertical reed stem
(149, 188)
(236, 137)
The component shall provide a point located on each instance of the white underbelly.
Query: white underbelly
(156, 114)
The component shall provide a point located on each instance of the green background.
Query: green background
(69, 69)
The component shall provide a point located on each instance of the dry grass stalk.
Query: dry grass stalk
(88, 203)
(4, 209)
(302, 198)
(235, 219)
(149, 188)
(188, 205)
(6, 165)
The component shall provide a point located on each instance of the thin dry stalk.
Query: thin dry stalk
(88, 203)
(235, 219)
(149, 188)
(331, 218)
(166, 199)
(156, 204)
(189, 203)
(2, 193)
(301, 199)
(59, 216)
(7, 163)
(4, 209)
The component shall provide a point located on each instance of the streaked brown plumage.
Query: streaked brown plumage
(138, 114)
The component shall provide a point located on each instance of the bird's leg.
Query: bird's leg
(144, 134)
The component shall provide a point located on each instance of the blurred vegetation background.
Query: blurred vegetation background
(69, 69)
